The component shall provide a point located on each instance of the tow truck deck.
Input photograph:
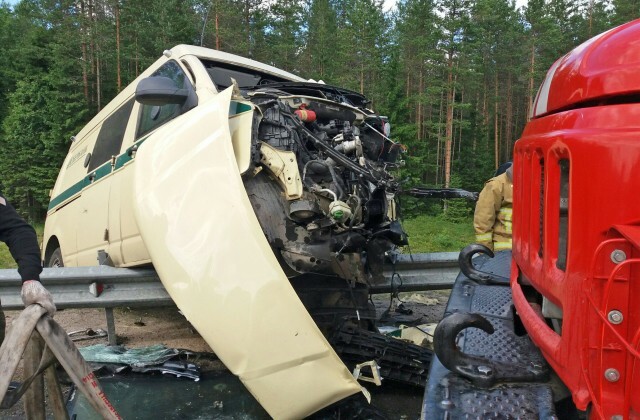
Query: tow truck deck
(507, 357)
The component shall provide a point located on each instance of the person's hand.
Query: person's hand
(34, 292)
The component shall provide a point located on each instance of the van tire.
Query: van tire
(55, 260)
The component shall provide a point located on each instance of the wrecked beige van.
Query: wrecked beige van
(237, 181)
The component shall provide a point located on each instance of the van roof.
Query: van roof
(178, 52)
(181, 50)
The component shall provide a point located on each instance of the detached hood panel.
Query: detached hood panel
(212, 256)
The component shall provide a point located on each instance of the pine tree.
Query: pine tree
(319, 59)
(36, 133)
(284, 38)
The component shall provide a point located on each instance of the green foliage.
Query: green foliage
(457, 210)
(437, 234)
(319, 55)
(283, 37)
(35, 137)
(482, 60)
(6, 261)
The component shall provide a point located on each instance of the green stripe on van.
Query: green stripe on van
(69, 192)
(100, 172)
(236, 108)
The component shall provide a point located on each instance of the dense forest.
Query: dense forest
(455, 77)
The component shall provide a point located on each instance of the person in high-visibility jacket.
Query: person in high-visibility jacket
(492, 218)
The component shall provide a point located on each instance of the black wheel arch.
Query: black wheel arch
(52, 245)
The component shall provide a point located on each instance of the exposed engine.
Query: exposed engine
(332, 210)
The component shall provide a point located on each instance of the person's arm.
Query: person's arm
(489, 202)
(22, 241)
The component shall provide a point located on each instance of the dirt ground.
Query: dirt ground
(140, 327)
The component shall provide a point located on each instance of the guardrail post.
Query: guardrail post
(111, 327)
(34, 395)
(56, 399)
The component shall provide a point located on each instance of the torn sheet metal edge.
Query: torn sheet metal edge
(210, 252)
(375, 372)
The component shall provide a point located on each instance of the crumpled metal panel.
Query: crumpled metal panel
(212, 257)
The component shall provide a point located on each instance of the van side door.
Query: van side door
(93, 220)
(150, 120)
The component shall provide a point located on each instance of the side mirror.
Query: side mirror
(159, 90)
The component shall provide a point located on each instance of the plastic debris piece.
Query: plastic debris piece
(138, 357)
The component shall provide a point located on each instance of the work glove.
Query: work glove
(34, 292)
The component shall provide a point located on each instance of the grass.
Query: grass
(436, 234)
(426, 234)
(6, 261)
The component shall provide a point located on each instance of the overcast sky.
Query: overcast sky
(388, 4)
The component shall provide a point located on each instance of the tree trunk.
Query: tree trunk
(508, 125)
(530, 97)
(98, 84)
(217, 31)
(439, 142)
(137, 58)
(419, 116)
(590, 12)
(92, 52)
(83, 34)
(449, 122)
(118, 72)
(461, 119)
(496, 135)
(247, 25)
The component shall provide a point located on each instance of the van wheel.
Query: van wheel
(55, 260)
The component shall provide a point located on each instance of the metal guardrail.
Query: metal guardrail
(109, 287)
(419, 272)
(90, 287)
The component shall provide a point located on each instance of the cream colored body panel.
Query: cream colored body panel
(240, 126)
(284, 167)
(212, 257)
(130, 247)
(106, 204)
(92, 221)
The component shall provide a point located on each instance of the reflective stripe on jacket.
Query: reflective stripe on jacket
(492, 219)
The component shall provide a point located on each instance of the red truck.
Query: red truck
(560, 314)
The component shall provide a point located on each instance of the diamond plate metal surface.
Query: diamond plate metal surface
(458, 401)
(494, 301)
(503, 345)
(449, 396)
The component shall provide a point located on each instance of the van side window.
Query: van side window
(111, 135)
(152, 116)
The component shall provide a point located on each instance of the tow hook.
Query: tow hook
(483, 372)
(468, 269)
